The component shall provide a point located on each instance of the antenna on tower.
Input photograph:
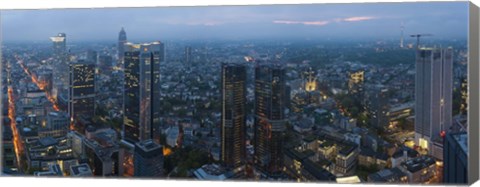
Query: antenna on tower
(401, 34)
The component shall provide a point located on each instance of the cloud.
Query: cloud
(325, 22)
(318, 23)
(205, 23)
(358, 18)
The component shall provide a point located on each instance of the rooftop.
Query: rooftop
(81, 170)
(47, 141)
(416, 164)
(462, 140)
(148, 145)
(348, 180)
(212, 172)
(387, 175)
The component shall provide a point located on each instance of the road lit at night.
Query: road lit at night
(17, 142)
(40, 85)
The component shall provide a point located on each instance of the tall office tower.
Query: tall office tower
(60, 62)
(141, 97)
(148, 159)
(270, 120)
(59, 46)
(81, 90)
(188, 55)
(233, 114)
(378, 107)
(455, 163)
(433, 98)
(122, 39)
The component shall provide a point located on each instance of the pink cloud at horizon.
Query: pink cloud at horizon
(358, 18)
(323, 22)
(301, 22)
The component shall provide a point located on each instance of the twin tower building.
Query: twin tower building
(142, 109)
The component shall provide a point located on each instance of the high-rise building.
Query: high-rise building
(59, 46)
(455, 158)
(142, 91)
(60, 62)
(378, 107)
(433, 98)
(122, 39)
(270, 120)
(188, 55)
(81, 90)
(233, 114)
(103, 155)
(148, 159)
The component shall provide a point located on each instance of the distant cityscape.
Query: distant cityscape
(366, 111)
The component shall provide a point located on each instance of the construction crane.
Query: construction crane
(418, 37)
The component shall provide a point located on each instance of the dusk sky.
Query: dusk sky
(322, 21)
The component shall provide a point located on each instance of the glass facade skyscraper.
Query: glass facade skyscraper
(142, 90)
(148, 159)
(234, 77)
(433, 98)
(270, 120)
(81, 90)
(122, 39)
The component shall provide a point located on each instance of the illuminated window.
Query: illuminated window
(423, 143)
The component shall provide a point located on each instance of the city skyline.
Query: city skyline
(290, 109)
(315, 21)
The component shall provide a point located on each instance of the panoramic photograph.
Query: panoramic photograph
(323, 93)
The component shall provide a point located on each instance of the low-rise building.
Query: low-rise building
(53, 170)
(420, 169)
(212, 172)
(46, 151)
(346, 160)
(394, 175)
(300, 166)
(369, 158)
(81, 170)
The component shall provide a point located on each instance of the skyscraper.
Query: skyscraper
(122, 39)
(148, 159)
(59, 46)
(455, 163)
(233, 114)
(81, 90)
(378, 107)
(142, 90)
(60, 61)
(433, 98)
(270, 120)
